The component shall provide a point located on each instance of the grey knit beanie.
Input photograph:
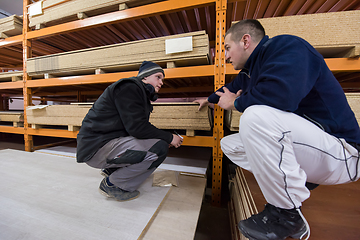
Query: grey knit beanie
(148, 68)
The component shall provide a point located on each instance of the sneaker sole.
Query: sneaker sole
(107, 195)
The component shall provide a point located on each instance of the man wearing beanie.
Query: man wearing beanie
(117, 137)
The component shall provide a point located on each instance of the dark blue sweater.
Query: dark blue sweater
(287, 73)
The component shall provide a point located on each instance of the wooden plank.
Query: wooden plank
(11, 116)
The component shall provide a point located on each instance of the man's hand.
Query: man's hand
(177, 141)
(203, 102)
(227, 98)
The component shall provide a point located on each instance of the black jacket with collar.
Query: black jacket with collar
(122, 110)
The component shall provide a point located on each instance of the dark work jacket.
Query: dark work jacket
(122, 110)
(287, 73)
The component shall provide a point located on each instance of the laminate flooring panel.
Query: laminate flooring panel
(44, 196)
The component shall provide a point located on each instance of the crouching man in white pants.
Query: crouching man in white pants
(296, 126)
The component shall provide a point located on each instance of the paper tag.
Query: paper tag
(177, 45)
(35, 8)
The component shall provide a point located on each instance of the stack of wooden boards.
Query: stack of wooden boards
(181, 116)
(122, 56)
(64, 10)
(333, 34)
(15, 117)
(11, 76)
(241, 205)
(232, 118)
(11, 26)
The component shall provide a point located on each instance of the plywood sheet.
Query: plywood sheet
(122, 56)
(53, 197)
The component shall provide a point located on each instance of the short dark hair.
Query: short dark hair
(248, 26)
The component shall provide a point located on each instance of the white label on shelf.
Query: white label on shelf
(35, 8)
(177, 45)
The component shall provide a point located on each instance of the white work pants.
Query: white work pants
(284, 150)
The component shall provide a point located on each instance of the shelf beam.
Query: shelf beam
(181, 72)
(120, 16)
(10, 129)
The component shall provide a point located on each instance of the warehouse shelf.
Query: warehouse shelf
(214, 16)
(9, 129)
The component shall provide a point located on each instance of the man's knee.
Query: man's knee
(161, 149)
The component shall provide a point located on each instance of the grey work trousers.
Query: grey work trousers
(135, 159)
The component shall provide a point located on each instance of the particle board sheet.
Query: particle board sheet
(122, 56)
(53, 197)
(62, 10)
(333, 34)
(10, 26)
(180, 116)
(178, 215)
(354, 102)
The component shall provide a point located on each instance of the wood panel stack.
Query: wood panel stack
(241, 204)
(11, 76)
(58, 11)
(354, 102)
(122, 56)
(15, 117)
(232, 119)
(333, 34)
(10, 26)
(184, 116)
(181, 116)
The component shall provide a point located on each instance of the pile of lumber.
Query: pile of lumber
(241, 204)
(333, 34)
(232, 117)
(58, 11)
(123, 56)
(11, 26)
(181, 116)
(16, 117)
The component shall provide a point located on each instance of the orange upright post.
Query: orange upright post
(218, 131)
(28, 140)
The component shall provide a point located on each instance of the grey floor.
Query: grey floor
(213, 223)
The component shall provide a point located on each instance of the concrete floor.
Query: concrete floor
(213, 223)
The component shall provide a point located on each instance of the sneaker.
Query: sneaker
(116, 192)
(274, 224)
(106, 172)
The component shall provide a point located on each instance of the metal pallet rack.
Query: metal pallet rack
(219, 70)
